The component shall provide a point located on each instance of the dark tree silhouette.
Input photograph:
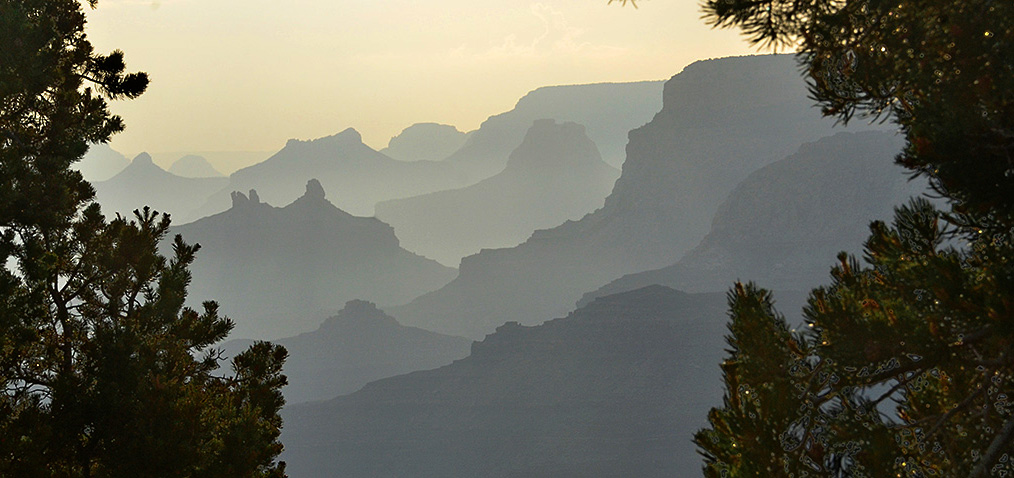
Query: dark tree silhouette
(904, 366)
(103, 370)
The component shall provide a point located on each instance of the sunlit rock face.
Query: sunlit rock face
(784, 225)
(144, 183)
(356, 346)
(721, 120)
(555, 174)
(280, 271)
(615, 389)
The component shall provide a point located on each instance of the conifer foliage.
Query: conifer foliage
(104, 372)
(904, 364)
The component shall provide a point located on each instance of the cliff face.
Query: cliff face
(721, 120)
(555, 174)
(277, 271)
(784, 225)
(356, 346)
(615, 389)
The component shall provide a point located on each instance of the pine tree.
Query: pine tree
(905, 364)
(104, 372)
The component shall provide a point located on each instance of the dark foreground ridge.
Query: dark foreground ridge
(615, 389)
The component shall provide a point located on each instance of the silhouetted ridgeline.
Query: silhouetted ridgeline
(357, 177)
(357, 346)
(554, 175)
(613, 390)
(721, 120)
(278, 271)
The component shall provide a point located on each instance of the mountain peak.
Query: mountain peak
(142, 159)
(348, 136)
(314, 190)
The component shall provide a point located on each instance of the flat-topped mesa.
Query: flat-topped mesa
(549, 145)
(359, 307)
(358, 314)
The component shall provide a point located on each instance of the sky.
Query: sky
(231, 75)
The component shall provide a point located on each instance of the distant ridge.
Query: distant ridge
(278, 271)
(194, 166)
(357, 176)
(100, 163)
(555, 174)
(143, 183)
(356, 346)
(425, 142)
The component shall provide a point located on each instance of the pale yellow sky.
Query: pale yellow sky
(246, 75)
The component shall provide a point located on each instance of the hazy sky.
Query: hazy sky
(248, 75)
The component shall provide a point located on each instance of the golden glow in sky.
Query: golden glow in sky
(230, 75)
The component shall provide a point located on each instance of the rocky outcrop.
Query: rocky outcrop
(555, 174)
(721, 120)
(278, 271)
(358, 345)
